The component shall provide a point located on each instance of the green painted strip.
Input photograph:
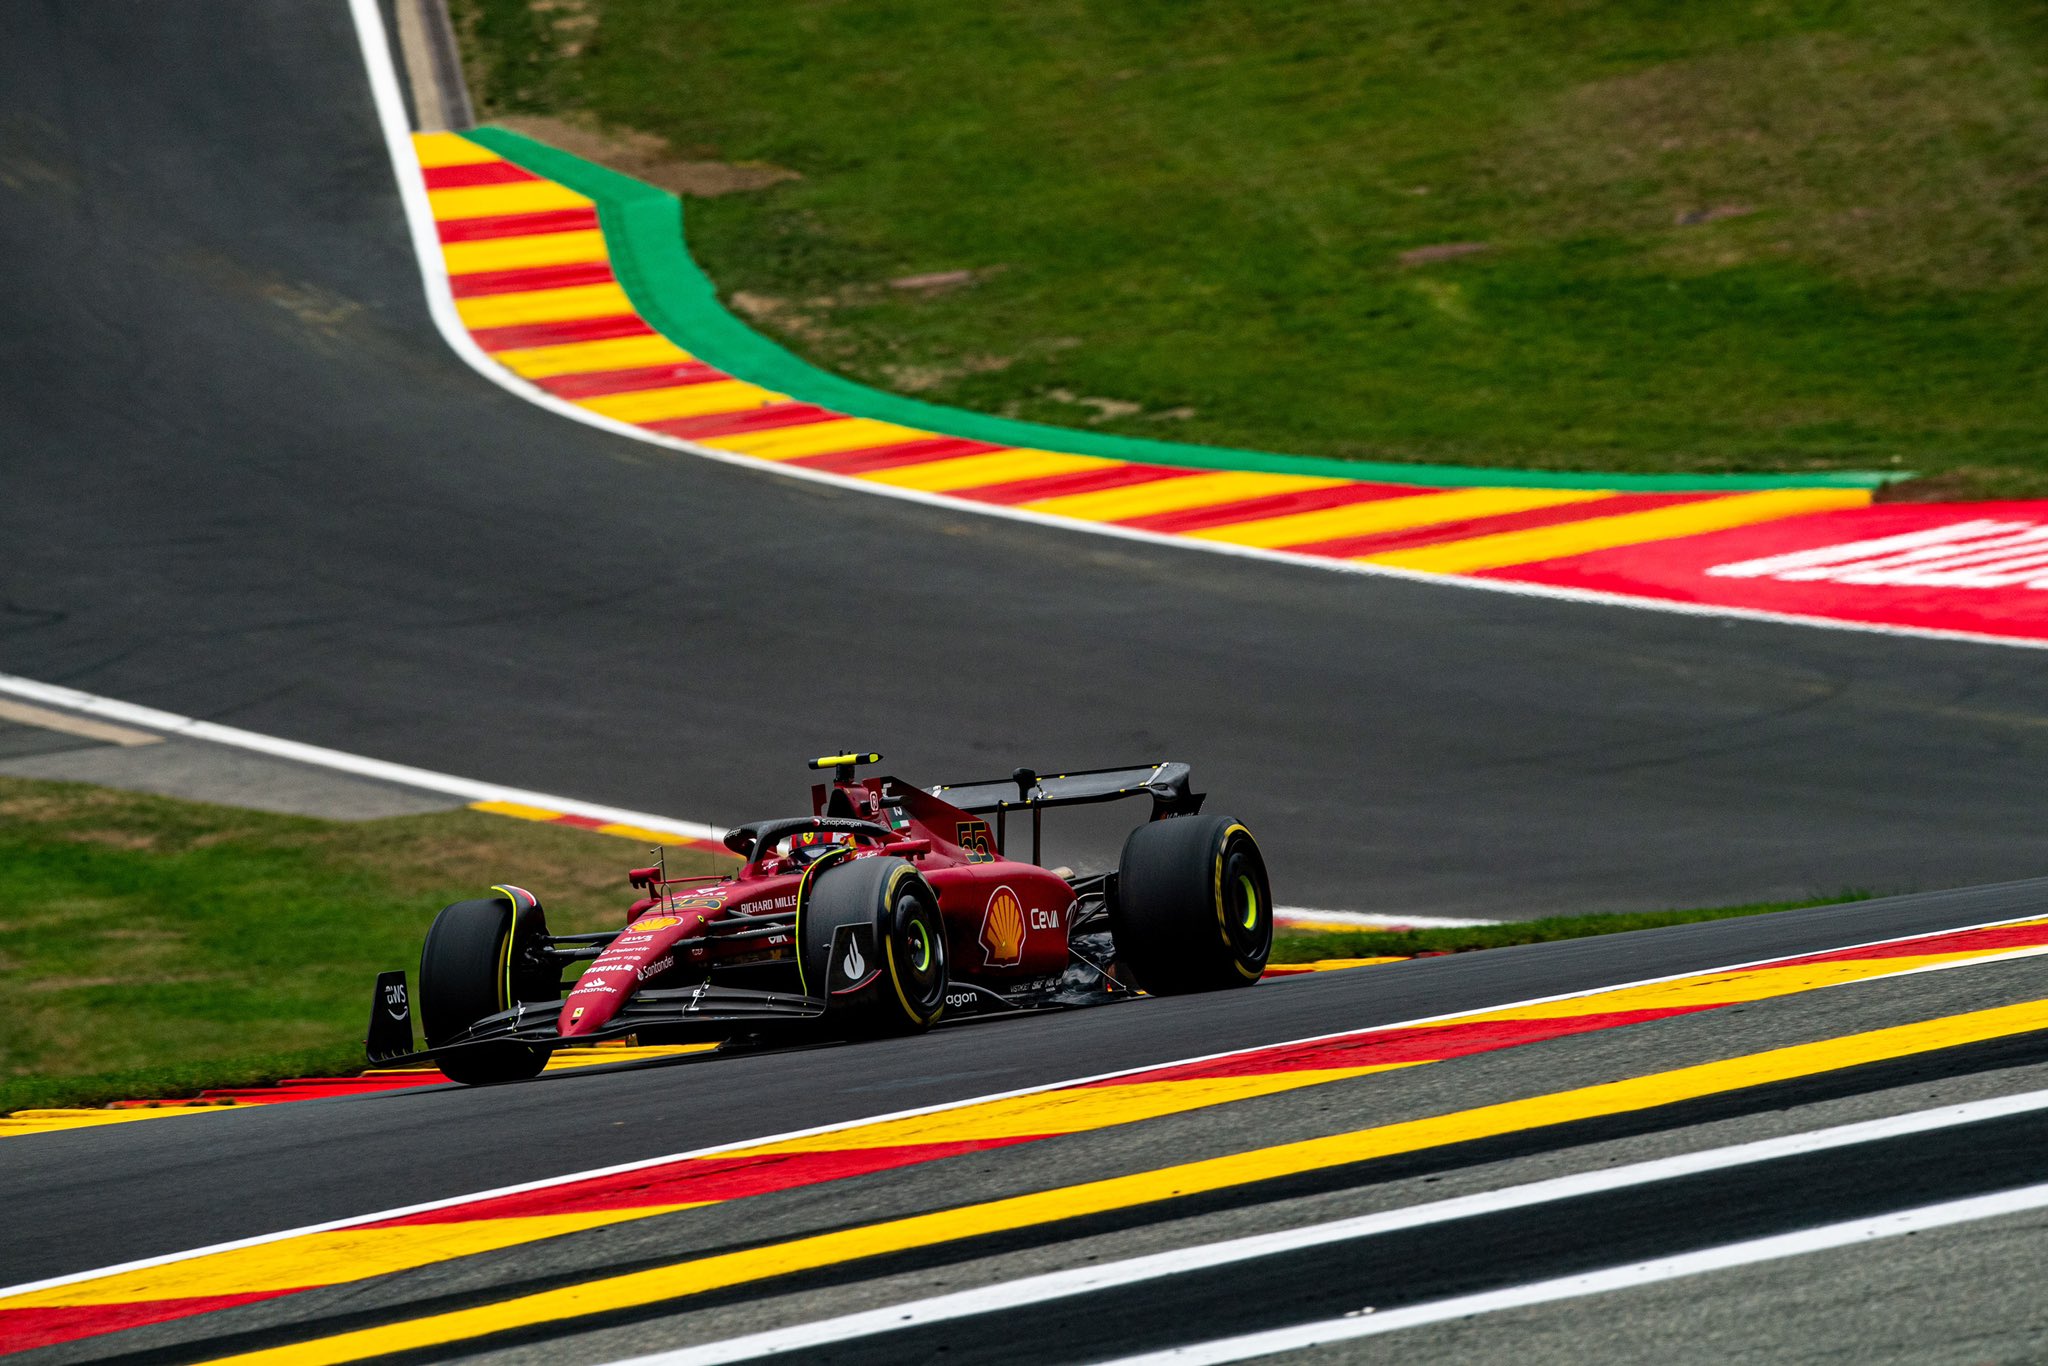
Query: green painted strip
(643, 227)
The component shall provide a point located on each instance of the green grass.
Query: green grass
(1309, 946)
(151, 947)
(1188, 217)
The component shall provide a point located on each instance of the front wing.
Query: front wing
(713, 1012)
(710, 1013)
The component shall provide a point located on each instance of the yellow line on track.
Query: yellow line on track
(372, 1251)
(23, 1122)
(605, 1055)
(685, 1278)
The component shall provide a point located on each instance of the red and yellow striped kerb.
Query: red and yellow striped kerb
(376, 1246)
(376, 1080)
(531, 275)
(644, 834)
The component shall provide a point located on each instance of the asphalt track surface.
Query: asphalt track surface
(245, 480)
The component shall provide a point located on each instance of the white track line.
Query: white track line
(1110, 1275)
(441, 306)
(1041, 1089)
(1288, 915)
(1849, 1233)
(469, 789)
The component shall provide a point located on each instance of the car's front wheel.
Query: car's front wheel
(876, 942)
(470, 969)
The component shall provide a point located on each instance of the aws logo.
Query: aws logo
(1002, 929)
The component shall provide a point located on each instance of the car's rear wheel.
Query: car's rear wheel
(1193, 909)
(471, 968)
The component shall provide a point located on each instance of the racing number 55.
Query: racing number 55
(973, 837)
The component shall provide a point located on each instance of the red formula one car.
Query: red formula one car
(885, 909)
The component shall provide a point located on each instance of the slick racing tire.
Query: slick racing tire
(1193, 911)
(908, 943)
(469, 969)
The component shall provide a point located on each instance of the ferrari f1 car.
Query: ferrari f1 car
(886, 908)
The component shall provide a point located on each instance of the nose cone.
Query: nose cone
(589, 1007)
(631, 958)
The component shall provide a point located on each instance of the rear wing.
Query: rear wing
(1166, 783)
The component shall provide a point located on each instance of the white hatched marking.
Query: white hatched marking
(1773, 565)
(1912, 566)
(1973, 554)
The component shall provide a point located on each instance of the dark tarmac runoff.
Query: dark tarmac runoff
(246, 480)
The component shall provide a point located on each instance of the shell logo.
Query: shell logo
(1002, 929)
(652, 923)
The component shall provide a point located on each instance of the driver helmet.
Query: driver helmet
(807, 845)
